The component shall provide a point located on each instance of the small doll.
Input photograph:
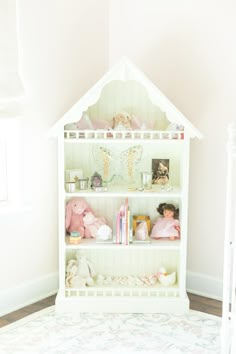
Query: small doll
(168, 225)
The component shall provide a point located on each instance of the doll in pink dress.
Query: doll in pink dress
(168, 225)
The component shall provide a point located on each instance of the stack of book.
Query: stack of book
(123, 225)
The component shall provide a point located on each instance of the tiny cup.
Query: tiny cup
(70, 187)
(146, 180)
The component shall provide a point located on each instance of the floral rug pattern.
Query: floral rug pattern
(48, 332)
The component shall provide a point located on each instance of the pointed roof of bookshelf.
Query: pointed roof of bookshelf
(125, 70)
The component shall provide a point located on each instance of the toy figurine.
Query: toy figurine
(168, 225)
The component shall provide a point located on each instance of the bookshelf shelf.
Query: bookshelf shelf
(155, 192)
(154, 244)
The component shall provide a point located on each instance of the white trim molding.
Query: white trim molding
(204, 285)
(14, 298)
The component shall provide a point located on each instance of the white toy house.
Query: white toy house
(122, 129)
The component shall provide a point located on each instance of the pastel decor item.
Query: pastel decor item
(104, 233)
(84, 122)
(71, 273)
(82, 183)
(146, 180)
(76, 209)
(176, 127)
(141, 232)
(86, 271)
(166, 279)
(73, 175)
(70, 187)
(168, 225)
(92, 224)
(75, 237)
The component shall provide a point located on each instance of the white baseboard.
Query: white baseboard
(204, 285)
(14, 298)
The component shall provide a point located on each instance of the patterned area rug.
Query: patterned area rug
(47, 332)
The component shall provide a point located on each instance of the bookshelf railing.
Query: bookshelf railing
(155, 291)
(117, 135)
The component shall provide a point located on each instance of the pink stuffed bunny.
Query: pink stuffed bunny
(92, 224)
(76, 209)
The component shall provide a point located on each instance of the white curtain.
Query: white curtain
(11, 88)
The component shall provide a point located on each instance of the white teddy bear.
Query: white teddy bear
(92, 224)
(79, 273)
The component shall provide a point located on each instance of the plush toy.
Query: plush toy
(76, 209)
(84, 122)
(92, 224)
(79, 273)
(165, 278)
(121, 121)
(86, 272)
(71, 273)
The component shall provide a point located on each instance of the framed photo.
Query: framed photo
(96, 180)
(160, 171)
(137, 219)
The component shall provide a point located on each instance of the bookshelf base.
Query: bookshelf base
(110, 304)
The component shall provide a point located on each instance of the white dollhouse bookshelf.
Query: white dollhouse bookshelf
(125, 87)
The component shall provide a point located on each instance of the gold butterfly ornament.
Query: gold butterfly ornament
(117, 167)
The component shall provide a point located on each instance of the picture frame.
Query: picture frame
(96, 180)
(160, 171)
(137, 219)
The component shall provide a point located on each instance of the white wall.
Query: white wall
(186, 48)
(64, 47)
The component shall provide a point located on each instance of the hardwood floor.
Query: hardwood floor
(198, 303)
(204, 304)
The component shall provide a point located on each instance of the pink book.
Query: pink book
(118, 227)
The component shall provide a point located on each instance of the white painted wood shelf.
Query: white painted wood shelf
(155, 192)
(91, 243)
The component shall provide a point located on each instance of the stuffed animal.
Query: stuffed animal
(71, 273)
(165, 278)
(79, 273)
(92, 224)
(86, 271)
(76, 209)
(122, 121)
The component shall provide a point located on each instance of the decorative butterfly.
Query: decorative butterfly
(117, 167)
